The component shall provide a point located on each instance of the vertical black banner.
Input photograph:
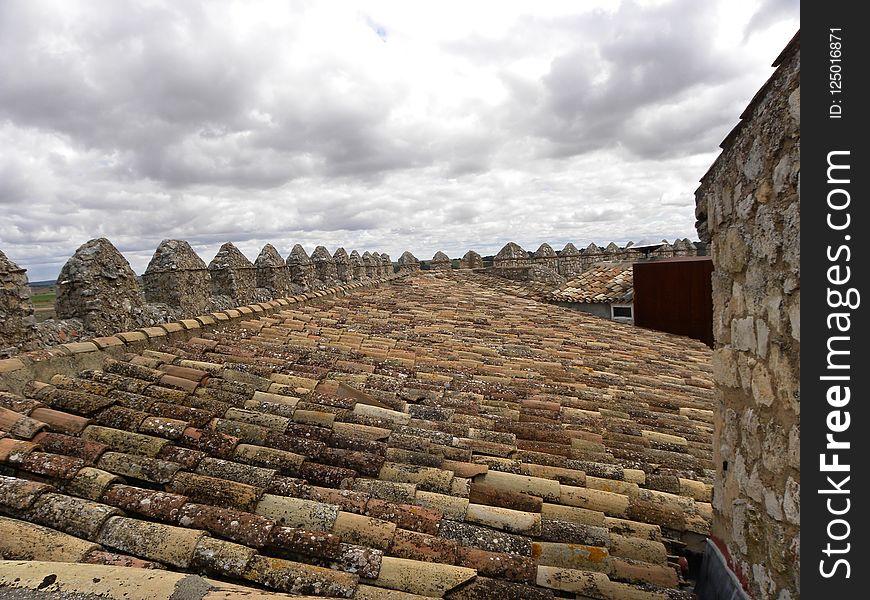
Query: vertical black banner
(835, 420)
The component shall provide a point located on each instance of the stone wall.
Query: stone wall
(513, 262)
(98, 294)
(748, 208)
(17, 323)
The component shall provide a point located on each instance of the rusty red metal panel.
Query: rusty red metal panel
(676, 296)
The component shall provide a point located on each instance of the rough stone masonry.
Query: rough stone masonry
(17, 323)
(98, 286)
(748, 207)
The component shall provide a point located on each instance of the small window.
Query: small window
(622, 311)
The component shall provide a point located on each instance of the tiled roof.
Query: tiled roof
(532, 290)
(604, 282)
(429, 437)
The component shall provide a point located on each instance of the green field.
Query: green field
(43, 298)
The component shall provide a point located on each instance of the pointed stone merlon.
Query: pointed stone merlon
(356, 268)
(546, 257)
(342, 265)
(665, 250)
(471, 260)
(178, 277)
(369, 267)
(324, 266)
(570, 262)
(17, 323)
(272, 272)
(233, 275)
(98, 286)
(408, 262)
(386, 264)
(441, 262)
(511, 256)
(684, 247)
(377, 267)
(591, 255)
(301, 268)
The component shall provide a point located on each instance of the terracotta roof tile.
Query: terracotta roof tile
(18, 495)
(386, 434)
(239, 526)
(27, 541)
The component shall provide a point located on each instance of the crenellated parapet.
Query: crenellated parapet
(684, 247)
(664, 251)
(98, 293)
(590, 255)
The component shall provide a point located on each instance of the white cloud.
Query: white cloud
(375, 125)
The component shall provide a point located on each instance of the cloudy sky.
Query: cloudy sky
(374, 125)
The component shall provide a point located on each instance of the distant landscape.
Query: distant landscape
(43, 294)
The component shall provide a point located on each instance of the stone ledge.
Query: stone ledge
(131, 337)
(80, 347)
(153, 332)
(10, 364)
(173, 327)
(108, 342)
